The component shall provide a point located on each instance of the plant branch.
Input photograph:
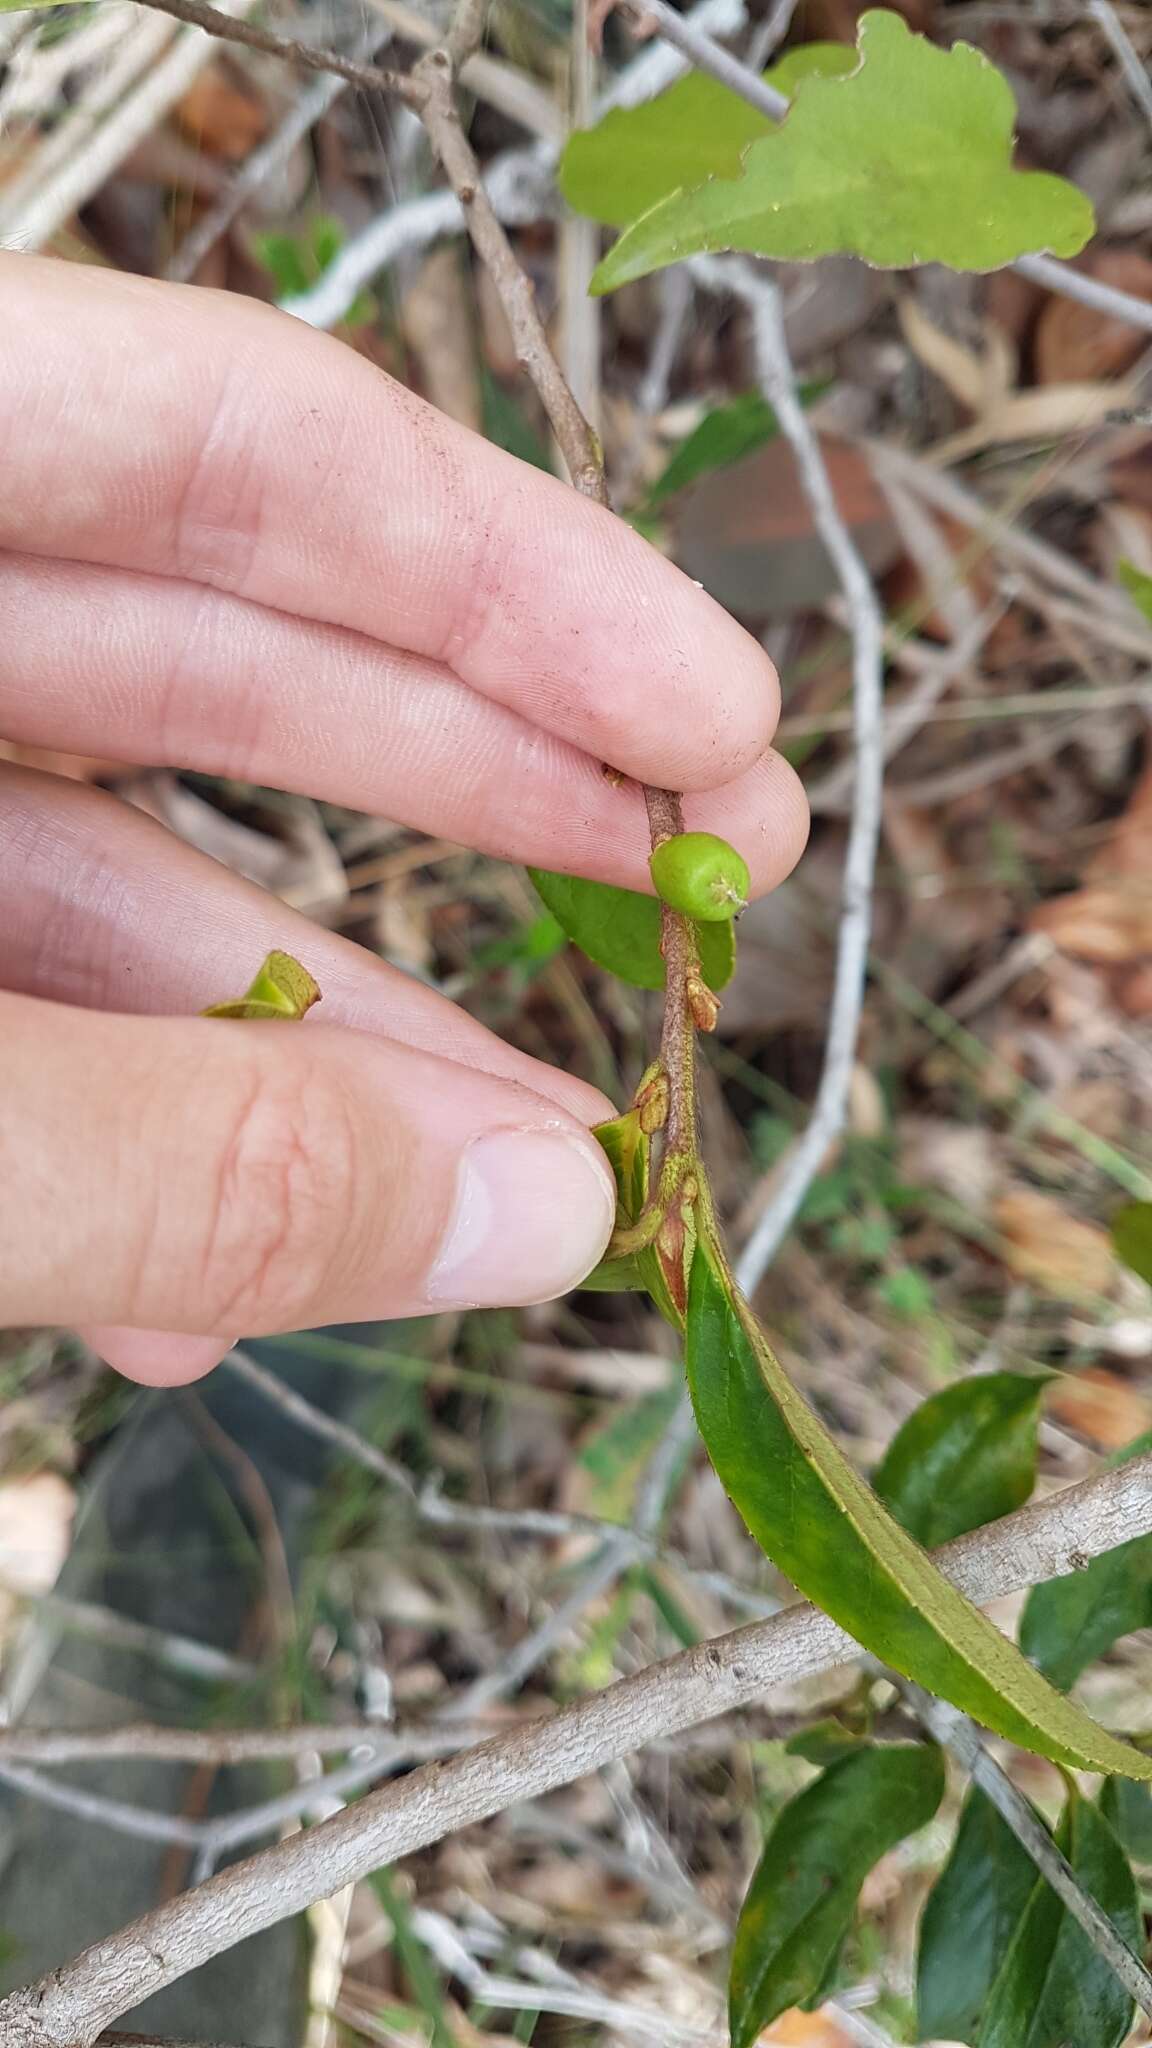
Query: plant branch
(313, 57)
(69, 2008)
(778, 384)
(1120, 44)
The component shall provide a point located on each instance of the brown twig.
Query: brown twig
(313, 57)
(579, 445)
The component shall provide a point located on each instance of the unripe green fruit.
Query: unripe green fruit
(700, 875)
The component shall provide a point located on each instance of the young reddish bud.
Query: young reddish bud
(652, 1103)
(702, 1004)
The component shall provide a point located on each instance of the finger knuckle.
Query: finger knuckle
(282, 1200)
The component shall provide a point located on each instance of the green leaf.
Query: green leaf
(615, 1454)
(969, 1918)
(1128, 1810)
(285, 259)
(636, 156)
(1138, 585)
(282, 988)
(629, 1151)
(722, 437)
(698, 129)
(1132, 1225)
(819, 1522)
(906, 160)
(825, 1742)
(802, 1897)
(1053, 1990)
(810, 60)
(966, 1456)
(1067, 1623)
(620, 930)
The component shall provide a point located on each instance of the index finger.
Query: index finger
(190, 433)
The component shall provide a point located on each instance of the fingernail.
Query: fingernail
(534, 1211)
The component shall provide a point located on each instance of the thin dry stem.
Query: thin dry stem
(313, 57)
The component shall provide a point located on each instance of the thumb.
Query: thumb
(204, 1177)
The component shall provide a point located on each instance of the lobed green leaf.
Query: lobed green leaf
(1053, 1989)
(803, 1895)
(905, 160)
(966, 1456)
(697, 129)
(620, 930)
(819, 1522)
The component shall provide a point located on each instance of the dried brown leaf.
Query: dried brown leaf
(1076, 342)
(1043, 1243)
(1101, 1405)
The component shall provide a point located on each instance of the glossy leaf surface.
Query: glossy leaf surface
(819, 1522)
(620, 930)
(1053, 1990)
(970, 1916)
(905, 160)
(965, 1456)
(803, 1895)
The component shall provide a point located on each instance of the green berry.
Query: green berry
(700, 875)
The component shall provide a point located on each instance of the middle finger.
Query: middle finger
(154, 670)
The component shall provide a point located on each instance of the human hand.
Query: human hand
(229, 544)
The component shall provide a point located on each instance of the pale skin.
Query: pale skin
(230, 544)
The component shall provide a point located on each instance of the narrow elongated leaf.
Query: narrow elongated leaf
(969, 1919)
(620, 930)
(1053, 1990)
(966, 1455)
(1138, 584)
(280, 988)
(1132, 1225)
(803, 1895)
(906, 160)
(819, 1522)
(1128, 1810)
(1067, 1623)
(722, 437)
(697, 129)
